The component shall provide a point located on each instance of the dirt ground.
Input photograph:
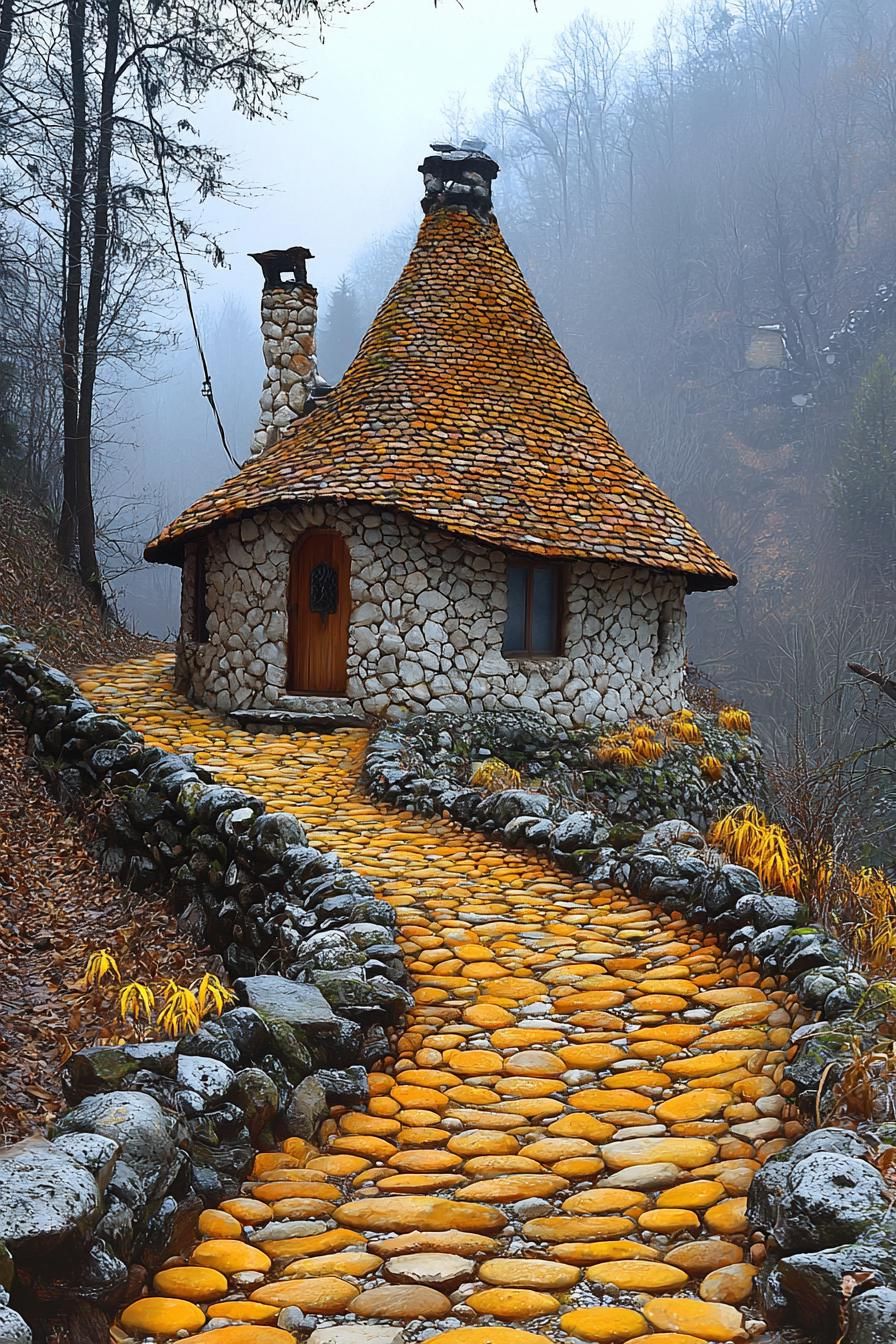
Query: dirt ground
(56, 906)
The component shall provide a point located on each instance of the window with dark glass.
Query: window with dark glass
(534, 607)
(200, 595)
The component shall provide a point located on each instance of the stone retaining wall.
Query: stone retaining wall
(823, 1205)
(159, 1129)
(443, 748)
(427, 624)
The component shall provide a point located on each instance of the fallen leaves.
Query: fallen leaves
(57, 906)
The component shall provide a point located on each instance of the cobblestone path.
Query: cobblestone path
(560, 1150)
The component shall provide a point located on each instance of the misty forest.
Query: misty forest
(448, 718)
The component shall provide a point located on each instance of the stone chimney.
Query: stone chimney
(459, 178)
(288, 322)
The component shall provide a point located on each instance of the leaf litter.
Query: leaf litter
(56, 908)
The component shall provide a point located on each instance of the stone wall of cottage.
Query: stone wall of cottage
(426, 625)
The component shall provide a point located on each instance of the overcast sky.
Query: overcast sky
(340, 168)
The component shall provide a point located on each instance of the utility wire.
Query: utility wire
(155, 131)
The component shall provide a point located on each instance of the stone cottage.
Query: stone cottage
(452, 527)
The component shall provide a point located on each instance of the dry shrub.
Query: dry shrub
(750, 839)
(702, 692)
(866, 1089)
(858, 904)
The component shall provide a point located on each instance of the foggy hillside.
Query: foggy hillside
(171, 452)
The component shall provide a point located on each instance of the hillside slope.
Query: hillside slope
(58, 905)
(47, 602)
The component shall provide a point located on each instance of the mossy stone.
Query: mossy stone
(290, 1045)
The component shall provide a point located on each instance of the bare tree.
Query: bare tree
(101, 158)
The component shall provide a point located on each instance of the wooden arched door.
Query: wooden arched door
(319, 603)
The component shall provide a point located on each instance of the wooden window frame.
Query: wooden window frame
(200, 593)
(530, 564)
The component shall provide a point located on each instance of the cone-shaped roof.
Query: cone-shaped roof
(461, 410)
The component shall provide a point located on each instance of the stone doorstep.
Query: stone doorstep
(320, 712)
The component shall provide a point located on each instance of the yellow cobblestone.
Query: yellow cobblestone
(542, 1008)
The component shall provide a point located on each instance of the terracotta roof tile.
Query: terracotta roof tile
(461, 409)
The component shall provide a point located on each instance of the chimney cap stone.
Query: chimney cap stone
(459, 177)
(279, 261)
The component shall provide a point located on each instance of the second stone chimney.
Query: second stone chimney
(459, 178)
(288, 324)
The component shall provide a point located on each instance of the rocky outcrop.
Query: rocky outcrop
(430, 756)
(828, 1215)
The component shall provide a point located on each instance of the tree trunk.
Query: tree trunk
(72, 263)
(7, 17)
(88, 564)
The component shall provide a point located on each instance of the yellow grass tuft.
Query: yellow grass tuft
(648, 749)
(617, 753)
(860, 903)
(180, 1013)
(136, 1000)
(640, 743)
(212, 996)
(684, 729)
(101, 965)
(873, 931)
(711, 767)
(750, 839)
(735, 720)
(493, 775)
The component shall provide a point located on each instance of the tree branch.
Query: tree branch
(883, 680)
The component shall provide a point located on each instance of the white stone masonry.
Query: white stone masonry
(288, 321)
(426, 625)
